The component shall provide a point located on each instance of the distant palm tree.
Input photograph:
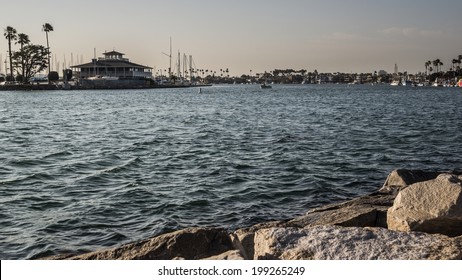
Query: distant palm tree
(23, 39)
(454, 62)
(459, 61)
(437, 63)
(10, 35)
(427, 64)
(47, 28)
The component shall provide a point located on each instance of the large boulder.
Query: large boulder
(401, 178)
(351, 243)
(243, 239)
(189, 244)
(433, 206)
(366, 211)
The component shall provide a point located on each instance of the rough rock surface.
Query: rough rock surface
(401, 178)
(341, 243)
(189, 244)
(361, 212)
(433, 206)
(243, 239)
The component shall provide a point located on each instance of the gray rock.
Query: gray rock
(366, 211)
(243, 239)
(340, 243)
(401, 178)
(189, 244)
(433, 206)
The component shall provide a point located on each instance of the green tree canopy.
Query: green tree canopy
(22, 40)
(30, 60)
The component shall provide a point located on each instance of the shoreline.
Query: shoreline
(42, 87)
(359, 229)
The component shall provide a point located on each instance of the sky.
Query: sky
(243, 35)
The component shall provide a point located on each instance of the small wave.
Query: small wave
(122, 166)
(112, 170)
(46, 204)
(197, 203)
(28, 162)
(148, 143)
(58, 154)
(243, 166)
(41, 177)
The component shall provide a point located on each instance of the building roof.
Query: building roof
(113, 53)
(110, 63)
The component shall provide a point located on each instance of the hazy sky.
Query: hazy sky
(327, 35)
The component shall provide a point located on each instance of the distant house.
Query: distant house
(113, 64)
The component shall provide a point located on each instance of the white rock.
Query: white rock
(433, 206)
(339, 243)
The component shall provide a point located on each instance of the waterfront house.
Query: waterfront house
(112, 65)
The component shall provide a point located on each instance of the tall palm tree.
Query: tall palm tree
(23, 39)
(459, 61)
(48, 28)
(454, 62)
(436, 63)
(10, 34)
(427, 64)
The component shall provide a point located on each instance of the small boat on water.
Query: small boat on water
(265, 86)
(459, 83)
(395, 83)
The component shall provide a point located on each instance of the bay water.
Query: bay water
(85, 170)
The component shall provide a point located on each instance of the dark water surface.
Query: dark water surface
(83, 170)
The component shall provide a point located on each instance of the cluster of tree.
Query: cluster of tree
(434, 67)
(30, 59)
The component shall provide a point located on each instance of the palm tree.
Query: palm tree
(10, 35)
(23, 39)
(436, 63)
(459, 61)
(47, 28)
(427, 64)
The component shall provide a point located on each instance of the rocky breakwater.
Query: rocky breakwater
(416, 215)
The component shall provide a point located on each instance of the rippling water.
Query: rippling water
(82, 170)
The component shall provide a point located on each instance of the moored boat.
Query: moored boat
(395, 83)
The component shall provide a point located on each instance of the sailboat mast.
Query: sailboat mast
(170, 69)
(191, 67)
(178, 68)
(94, 62)
(185, 66)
